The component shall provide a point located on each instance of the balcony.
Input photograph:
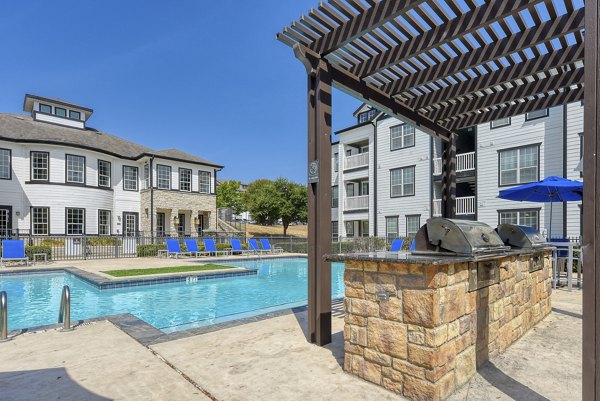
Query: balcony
(464, 162)
(464, 206)
(356, 161)
(356, 202)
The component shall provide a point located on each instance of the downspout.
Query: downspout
(564, 167)
(152, 197)
(374, 123)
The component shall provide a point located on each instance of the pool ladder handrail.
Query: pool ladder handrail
(3, 316)
(64, 314)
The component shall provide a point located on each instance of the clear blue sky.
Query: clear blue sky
(206, 77)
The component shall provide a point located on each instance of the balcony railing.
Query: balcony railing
(464, 162)
(356, 202)
(356, 161)
(464, 206)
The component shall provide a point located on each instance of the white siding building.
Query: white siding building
(58, 176)
(388, 179)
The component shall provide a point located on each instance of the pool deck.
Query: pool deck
(268, 360)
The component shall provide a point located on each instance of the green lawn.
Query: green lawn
(164, 270)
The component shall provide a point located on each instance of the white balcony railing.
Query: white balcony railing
(464, 162)
(464, 206)
(356, 202)
(356, 161)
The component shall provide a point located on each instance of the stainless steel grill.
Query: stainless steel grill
(441, 236)
(521, 236)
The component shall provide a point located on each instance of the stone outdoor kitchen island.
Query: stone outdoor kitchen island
(413, 326)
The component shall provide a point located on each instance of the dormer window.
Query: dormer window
(74, 115)
(44, 108)
(59, 111)
(366, 116)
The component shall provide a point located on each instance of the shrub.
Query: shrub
(31, 249)
(149, 250)
(52, 242)
(103, 241)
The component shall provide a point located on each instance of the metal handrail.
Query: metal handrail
(3, 316)
(64, 314)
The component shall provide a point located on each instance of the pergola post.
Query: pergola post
(319, 202)
(449, 177)
(591, 202)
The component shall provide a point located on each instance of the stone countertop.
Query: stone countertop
(441, 259)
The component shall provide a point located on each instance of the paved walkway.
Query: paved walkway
(268, 360)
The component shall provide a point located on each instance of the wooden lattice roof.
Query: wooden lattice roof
(444, 65)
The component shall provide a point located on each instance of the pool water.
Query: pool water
(34, 300)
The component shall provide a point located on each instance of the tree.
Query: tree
(263, 201)
(292, 202)
(229, 195)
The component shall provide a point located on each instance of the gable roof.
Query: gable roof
(23, 128)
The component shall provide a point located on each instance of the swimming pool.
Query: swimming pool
(34, 300)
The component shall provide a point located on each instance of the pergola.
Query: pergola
(443, 65)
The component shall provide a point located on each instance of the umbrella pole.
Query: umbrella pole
(550, 229)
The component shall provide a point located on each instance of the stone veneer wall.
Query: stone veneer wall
(178, 201)
(432, 333)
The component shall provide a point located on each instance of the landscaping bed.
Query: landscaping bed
(164, 270)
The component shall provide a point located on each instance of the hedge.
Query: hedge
(149, 250)
(31, 249)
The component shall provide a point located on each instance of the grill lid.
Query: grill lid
(521, 236)
(458, 237)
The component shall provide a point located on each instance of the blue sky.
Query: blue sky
(206, 77)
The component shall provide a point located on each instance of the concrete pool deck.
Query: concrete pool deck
(270, 360)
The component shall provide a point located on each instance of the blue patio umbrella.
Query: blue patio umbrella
(551, 189)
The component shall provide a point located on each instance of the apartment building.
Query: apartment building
(59, 176)
(387, 175)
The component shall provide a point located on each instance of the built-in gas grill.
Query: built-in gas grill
(522, 237)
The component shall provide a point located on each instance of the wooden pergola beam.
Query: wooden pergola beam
(563, 79)
(568, 95)
(444, 33)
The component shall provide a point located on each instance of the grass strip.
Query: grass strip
(164, 270)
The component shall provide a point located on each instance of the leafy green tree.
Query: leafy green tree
(229, 195)
(263, 201)
(292, 202)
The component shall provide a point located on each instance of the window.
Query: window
(364, 188)
(367, 116)
(40, 166)
(402, 182)
(335, 197)
(146, 176)
(525, 217)
(5, 164)
(75, 221)
(130, 178)
(185, 179)
(44, 108)
(336, 162)
(59, 111)
(104, 173)
(402, 136)
(40, 220)
(74, 115)
(160, 224)
(364, 228)
(181, 225)
(349, 190)
(76, 169)
(413, 223)
(349, 229)
(104, 222)
(503, 122)
(204, 178)
(334, 231)
(391, 227)
(163, 174)
(534, 115)
(519, 166)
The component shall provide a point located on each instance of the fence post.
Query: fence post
(116, 247)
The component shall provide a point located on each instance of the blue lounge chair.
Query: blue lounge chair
(253, 246)
(13, 250)
(397, 245)
(210, 247)
(174, 249)
(266, 246)
(413, 245)
(192, 247)
(236, 246)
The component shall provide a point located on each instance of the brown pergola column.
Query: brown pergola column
(591, 206)
(319, 203)
(449, 177)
